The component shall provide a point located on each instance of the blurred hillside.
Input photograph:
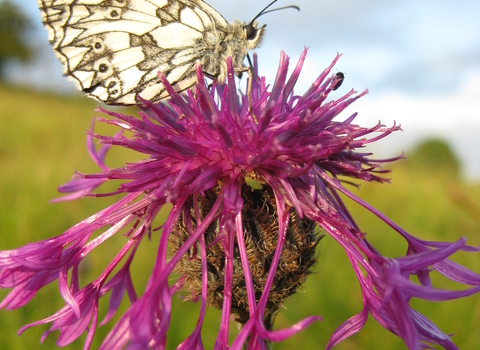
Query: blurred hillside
(42, 142)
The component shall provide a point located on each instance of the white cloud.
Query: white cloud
(454, 117)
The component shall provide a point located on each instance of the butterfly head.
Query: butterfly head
(254, 34)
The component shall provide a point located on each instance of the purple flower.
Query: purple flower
(249, 178)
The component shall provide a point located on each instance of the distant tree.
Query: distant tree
(435, 156)
(14, 28)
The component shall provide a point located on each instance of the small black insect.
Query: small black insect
(337, 80)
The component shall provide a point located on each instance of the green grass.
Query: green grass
(43, 142)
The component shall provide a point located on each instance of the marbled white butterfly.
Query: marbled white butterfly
(113, 49)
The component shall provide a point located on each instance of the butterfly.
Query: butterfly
(114, 49)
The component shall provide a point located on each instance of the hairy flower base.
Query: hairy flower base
(260, 237)
(201, 150)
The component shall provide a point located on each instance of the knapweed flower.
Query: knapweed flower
(250, 179)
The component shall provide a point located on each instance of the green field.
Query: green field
(43, 142)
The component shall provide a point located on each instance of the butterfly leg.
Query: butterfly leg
(251, 76)
(210, 76)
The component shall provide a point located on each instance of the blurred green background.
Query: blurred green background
(43, 142)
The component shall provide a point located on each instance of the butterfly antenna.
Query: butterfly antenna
(265, 10)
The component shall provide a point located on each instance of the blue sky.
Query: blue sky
(420, 61)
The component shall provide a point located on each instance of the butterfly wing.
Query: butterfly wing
(113, 49)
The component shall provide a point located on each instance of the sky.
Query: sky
(420, 61)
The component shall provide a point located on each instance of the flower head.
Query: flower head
(249, 177)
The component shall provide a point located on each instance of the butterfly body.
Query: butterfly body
(114, 49)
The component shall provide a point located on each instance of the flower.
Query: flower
(249, 177)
